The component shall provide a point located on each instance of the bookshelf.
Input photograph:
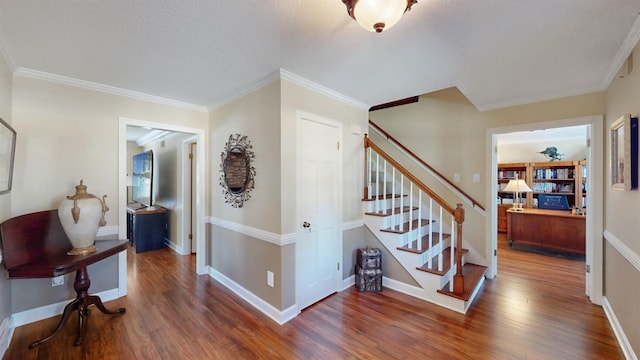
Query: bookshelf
(506, 172)
(558, 177)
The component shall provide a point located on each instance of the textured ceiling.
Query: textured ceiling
(497, 52)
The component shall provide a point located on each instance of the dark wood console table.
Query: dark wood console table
(35, 246)
(554, 230)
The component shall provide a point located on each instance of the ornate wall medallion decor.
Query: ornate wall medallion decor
(237, 173)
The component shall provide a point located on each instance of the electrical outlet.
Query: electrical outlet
(476, 178)
(456, 177)
(57, 281)
(269, 278)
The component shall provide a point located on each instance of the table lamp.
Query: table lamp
(517, 186)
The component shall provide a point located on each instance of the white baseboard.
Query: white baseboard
(174, 247)
(348, 282)
(6, 334)
(625, 345)
(276, 315)
(404, 288)
(47, 311)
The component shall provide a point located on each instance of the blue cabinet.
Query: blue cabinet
(147, 228)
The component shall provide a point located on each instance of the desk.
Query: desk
(35, 246)
(555, 230)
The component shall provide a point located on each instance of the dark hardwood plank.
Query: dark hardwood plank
(534, 309)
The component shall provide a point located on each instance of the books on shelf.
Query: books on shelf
(508, 174)
(566, 173)
(551, 187)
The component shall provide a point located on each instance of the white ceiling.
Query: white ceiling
(497, 52)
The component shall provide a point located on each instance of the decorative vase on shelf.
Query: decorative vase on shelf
(80, 215)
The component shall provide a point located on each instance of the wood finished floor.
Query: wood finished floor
(534, 309)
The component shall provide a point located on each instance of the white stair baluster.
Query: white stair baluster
(430, 233)
(410, 235)
(393, 197)
(370, 192)
(384, 187)
(377, 182)
(419, 217)
(401, 200)
(440, 259)
(453, 251)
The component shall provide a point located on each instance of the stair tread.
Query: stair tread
(388, 212)
(425, 243)
(414, 225)
(472, 273)
(383, 197)
(446, 263)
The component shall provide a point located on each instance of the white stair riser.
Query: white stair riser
(429, 282)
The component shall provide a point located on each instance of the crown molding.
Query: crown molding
(299, 80)
(540, 98)
(624, 51)
(65, 80)
(629, 43)
(7, 57)
(282, 74)
(255, 86)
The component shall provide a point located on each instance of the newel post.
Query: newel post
(458, 280)
(366, 167)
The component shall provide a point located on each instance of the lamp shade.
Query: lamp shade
(517, 185)
(377, 15)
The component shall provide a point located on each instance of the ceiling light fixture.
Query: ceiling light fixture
(377, 15)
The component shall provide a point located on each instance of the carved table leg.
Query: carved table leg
(81, 304)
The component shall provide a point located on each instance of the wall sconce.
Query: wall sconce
(376, 15)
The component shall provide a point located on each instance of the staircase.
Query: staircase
(420, 230)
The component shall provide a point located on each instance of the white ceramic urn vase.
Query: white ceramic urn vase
(80, 215)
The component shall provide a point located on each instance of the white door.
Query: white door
(317, 246)
(193, 224)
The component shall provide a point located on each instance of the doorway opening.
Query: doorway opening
(593, 242)
(198, 213)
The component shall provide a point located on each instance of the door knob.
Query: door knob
(306, 225)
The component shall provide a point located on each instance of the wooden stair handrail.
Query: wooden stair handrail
(406, 173)
(423, 163)
(458, 212)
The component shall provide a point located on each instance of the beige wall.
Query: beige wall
(245, 259)
(5, 199)
(296, 97)
(268, 117)
(448, 132)
(622, 280)
(82, 126)
(66, 134)
(256, 115)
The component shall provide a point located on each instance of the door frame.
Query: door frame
(306, 116)
(595, 178)
(186, 194)
(199, 134)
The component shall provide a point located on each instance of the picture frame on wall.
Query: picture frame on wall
(624, 153)
(7, 155)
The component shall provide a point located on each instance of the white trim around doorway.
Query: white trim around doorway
(594, 230)
(199, 135)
